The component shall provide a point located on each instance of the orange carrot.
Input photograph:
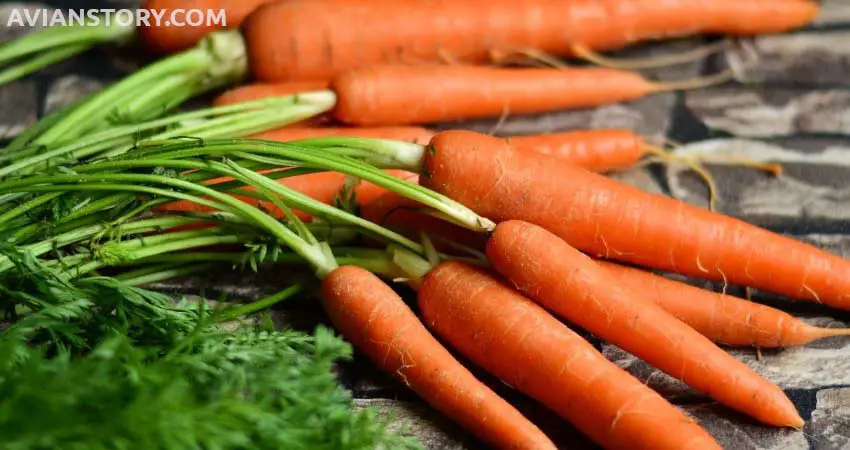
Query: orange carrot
(403, 215)
(316, 40)
(523, 345)
(259, 91)
(573, 286)
(170, 38)
(400, 95)
(597, 150)
(722, 318)
(378, 323)
(612, 220)
(321, 186)
(407, 134)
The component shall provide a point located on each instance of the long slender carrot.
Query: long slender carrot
(379, 324)
(401, 95)
(568, 282)
(169, 38)
(302, 40)
(612, 220)
(720, 317)
(519, 342)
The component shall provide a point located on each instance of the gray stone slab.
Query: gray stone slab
(834, 12)
(738, 433)
(815, 184)
(430, 428)
(18, 107)
(811, 58)
(820, 365)
(756, 112)
(68, 89)
(829, 427)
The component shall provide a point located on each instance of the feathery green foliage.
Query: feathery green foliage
(97, 364)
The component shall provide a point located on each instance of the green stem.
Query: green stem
(326, 158)
(101, 182)
(162, 272)
(47, 39)
(292, 197)
(219, 59)
(138, 108)
(41, 61)
(262, 304)
(27, 206)
(127, 252)
(240, 119)
(80, 234)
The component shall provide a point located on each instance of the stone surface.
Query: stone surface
(735, 432)
(815, 183)
(818, 365)
(23, 95)
(833, 12)
(430, 428)
(746, 112)
(802, 58)
(829, 427)
(68, 89)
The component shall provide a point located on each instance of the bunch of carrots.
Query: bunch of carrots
(553, 239)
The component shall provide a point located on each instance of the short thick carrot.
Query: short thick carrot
(574, 287)
(379, 324)
(520, 343)
(165, 37)
(612, 220)
(400, 95)
(302, 40)
(723, 318)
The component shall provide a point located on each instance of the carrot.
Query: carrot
(378, 323)
(523, 345)
(259, 91)
(596, 150)
(407, 134)
(316, 40)
(321, 186)
(404, 215)
(612, 220)
(168, 38)
(573, 286)
(400, 95)
(722, 318)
